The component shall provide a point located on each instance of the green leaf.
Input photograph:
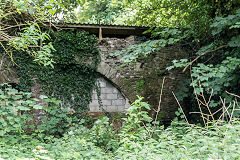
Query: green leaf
(23, 108)
(37, 107)
(235, 41)
(43, 97)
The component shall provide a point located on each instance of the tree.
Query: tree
(21, 23)
(98, 11)
(210, 31)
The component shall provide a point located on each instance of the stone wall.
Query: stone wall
(7, 71)
(120, 85)
(144, 77)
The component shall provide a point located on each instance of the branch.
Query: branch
(18, 25)
(233, 94)
(4, 36)
(208, 51)
(159, 106)
(181, 108)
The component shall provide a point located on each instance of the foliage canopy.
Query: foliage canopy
(209, 29)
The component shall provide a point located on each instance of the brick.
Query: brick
(127, 104)
(94, 109)
(109, 85)
(115, 90)
(111, 96)
(104, 108)
(118, 102)
(102, 84)
(120, 96)
(94, 103)
(94, 96)
(107, 102)
(121, 108)
(106, 90)
(103, 96)
(112, 109)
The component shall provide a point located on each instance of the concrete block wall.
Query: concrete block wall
(112, 99)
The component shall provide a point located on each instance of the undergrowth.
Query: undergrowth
(140, 136)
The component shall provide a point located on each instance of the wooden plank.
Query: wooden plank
(107, 30)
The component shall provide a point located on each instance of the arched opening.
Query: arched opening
(112, 99)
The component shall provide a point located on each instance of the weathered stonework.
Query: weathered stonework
(144, 77)
(119, 85)
(7, 71)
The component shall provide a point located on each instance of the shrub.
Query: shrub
(18, 114)
(218, 140)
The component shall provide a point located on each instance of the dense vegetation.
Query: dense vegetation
(208, 29)
(72, 77)
(63, 136)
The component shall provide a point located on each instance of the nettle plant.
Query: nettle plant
(15, 109)
(134, 125)
(18, 114)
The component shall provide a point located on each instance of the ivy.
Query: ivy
(73, 77)
(166, 37)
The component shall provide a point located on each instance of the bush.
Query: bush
(219, 140)
(16, 111)
(19, 111)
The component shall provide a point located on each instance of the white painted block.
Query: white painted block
(115, 90)
(104, 108)
(107, 102)
(94, 103)
(111, 96)
(118, 102)
(109, 85)
(120, 96)
(94, 96)
(121, 108)
(127, 104)
(94, 109)
(112, 109)
(102, 84)
(107, 90)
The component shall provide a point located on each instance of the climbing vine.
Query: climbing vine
(73, 77)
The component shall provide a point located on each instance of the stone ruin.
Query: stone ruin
(118, 84)
(150, 71)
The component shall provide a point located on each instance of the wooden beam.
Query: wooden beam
(100, 35)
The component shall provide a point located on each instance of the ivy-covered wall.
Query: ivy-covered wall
(80, 61)
(145, 76)
(73, 77)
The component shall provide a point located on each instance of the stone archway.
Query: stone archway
(144, 77)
